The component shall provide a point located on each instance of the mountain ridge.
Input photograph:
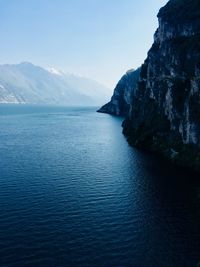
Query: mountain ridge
(29, 83)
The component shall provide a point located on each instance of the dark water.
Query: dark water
(73, 193)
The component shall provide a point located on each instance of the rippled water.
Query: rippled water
(74, 193)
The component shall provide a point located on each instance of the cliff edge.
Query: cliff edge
(120, 102)
(165, 108)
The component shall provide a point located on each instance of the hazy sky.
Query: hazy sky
(100, 39)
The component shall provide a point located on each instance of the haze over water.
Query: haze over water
(74, 193)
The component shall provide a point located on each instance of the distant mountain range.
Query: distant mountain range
(27, 83)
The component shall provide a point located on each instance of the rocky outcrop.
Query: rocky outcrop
(120, 102)
(165, 109)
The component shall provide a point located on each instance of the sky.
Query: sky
(99, 39)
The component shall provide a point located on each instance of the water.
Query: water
(74, 193)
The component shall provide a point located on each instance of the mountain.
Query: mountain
(120, 102)
(27, 83)
(165, 108)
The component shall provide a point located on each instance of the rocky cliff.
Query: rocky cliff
(165, 109)
(120, 102)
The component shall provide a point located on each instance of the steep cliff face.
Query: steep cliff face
(165, 107)
(120, 102)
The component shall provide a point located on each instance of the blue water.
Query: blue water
(74, 193)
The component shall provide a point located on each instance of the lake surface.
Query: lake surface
(74, 193)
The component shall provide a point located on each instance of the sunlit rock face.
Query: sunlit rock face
(165, 107)
(121, 100)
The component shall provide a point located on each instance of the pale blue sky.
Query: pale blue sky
(100, 39)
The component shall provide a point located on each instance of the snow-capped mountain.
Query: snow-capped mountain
(55, 71)
(27, 83)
